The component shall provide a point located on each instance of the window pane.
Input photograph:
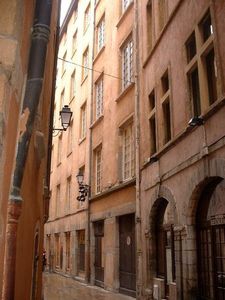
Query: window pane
(211, 76)
(195, 92)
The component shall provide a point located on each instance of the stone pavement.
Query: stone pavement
(57, 287)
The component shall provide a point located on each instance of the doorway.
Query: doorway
(99, 252)
(127, 257)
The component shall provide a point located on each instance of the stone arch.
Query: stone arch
(216, 169)
(162, 197)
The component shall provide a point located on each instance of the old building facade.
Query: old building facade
(27, 43)
(148, 135)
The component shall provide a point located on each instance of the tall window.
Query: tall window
(162, 12)
(98, 170)
(87, 18)
(128, 152)
(149, 25)
(57, 204)
(166, 111)
(67, 234)
(81, 250)
(59, 152)
(85, 64)
(152, 122)
(201, 66)
(63, 63)
(125, 4)
(72, 85)
(83, 116)
(127, 64)
(68, 194)
(74, 43)
(101, 34)
(99, 97)
(62, 99)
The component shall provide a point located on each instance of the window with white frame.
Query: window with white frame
(98, 169)
(83, 115)
(127, 63)
(74, 43)
(101, 34)
(128, 152)
(85, 64)
(99, 97)
(125, 4)
(87, 17)
(72, 85)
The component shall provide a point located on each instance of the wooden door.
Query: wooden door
(127, 259)
(99, 267)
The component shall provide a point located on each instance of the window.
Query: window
(68, 194)
(72, 85)
(57, 204)
(85, 64)
(127, 64)
(62, 99)
(128, 152)
(64, 37)
(59, 152)
(83, 115)
(98, 170)
(125, 4)
(63, 63)
(87, 18)
(149, 25)
(100, 35)
(166, 111)
(69, 138)
(201, 67)
(74, 43)
(99, 98)
(152, 122)
(162, 13)
(67, 234)
(74, 16)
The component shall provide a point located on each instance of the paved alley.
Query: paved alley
(57, 287)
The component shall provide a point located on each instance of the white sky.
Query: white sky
(64, 7)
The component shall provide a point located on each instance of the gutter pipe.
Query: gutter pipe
(36, 67)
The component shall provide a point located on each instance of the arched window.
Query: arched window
(165, 254)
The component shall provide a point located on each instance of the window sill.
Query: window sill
(59, 163)
(84, 79)
(81, 140)
(98, 54)
(124, 92)
(96, 122)
(124, 14)
(69, 153)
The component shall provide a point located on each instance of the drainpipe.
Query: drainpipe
(139, 264)
(36, 66)
(51, 118)
(90, 163)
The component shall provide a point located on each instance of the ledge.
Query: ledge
(124, 92)
(81, 140)
(114, 189)
(97, 121)
(211, 111)
(98, 54)
(125, 13)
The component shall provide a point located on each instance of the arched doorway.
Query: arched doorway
(210, 225)
(163, 219)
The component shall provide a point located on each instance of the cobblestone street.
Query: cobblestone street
(57, 287)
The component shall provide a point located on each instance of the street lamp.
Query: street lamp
(65, 115)
(84, 189)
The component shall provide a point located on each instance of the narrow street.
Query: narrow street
(57, 287)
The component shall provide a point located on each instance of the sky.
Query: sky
(64, 7)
